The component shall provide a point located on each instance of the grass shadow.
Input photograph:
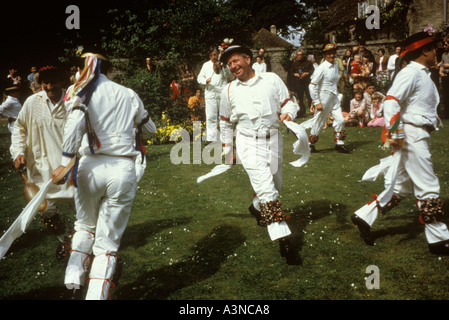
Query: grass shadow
(210, 253)
(136, 235)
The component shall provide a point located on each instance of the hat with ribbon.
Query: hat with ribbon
(234, 49)
(329, 47)
(416, 41)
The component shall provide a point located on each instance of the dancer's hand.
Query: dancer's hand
(396, 144)
(319, 107)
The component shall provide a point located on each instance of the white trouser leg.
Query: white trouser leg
(329, 101)
(415, 173)
(78, 264)
(106, 189)
(262, 160)
(212, 107)
(100, 277)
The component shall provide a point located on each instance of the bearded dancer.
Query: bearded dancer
(36, 144)
(256, 105)
(410, 111)
(105, 177)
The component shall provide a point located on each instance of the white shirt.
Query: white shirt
(324, 78)
(259, 67)
(255, 105)
(50, 103)
(10, 107)
(218, 80)
(114, 111)
(392, 62)
(415, 99)
(380, 63)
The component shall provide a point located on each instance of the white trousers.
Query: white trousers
(212, 112)
(331, 105)
(415, 172)
(106, 189)
(262, 160)
(416, 176)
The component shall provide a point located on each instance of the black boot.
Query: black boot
(256, 214)
(364, 228)
(440, 248)
(287, 251)
(341, 148)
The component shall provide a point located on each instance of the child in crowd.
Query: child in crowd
(357, 114)
(369, 91)
(356, 67)
(377, 119)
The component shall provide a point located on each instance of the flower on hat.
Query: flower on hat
(79, 51)
(429, 29)
(226, 43)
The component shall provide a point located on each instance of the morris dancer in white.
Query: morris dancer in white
(36, 142)
(323, 90)
(410, 111)
(11, 107)
(106, 179)
(256, 105)
(214, 76)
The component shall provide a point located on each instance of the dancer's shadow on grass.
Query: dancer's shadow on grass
(413, 227)
(209, 254)
(136, 235)
(312, 211)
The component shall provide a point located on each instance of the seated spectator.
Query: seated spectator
(358, 114)
(197, 104)
(377, 118)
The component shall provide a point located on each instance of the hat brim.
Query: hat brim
(231, 50)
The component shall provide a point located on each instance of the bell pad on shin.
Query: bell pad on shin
(431, 210)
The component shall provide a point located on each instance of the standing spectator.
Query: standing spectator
(149, 64)
(36, 85)
(13, 76)
(214, 76)
(265, 59)
(187, 81)
(381, 62)
(346, 60)
(36, 144)
(312, 60)
(30, 77)
(324, 93)
(259, 66)
(258, 140)
(392, 61)
(300, 72)
(444, 71)
(11, 107)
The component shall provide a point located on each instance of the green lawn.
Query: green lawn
(199, 242)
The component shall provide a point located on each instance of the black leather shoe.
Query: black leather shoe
(256, 214)
(440, 248)
(313, 149)
(364, 228)
(287, 251)
(342, 148)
